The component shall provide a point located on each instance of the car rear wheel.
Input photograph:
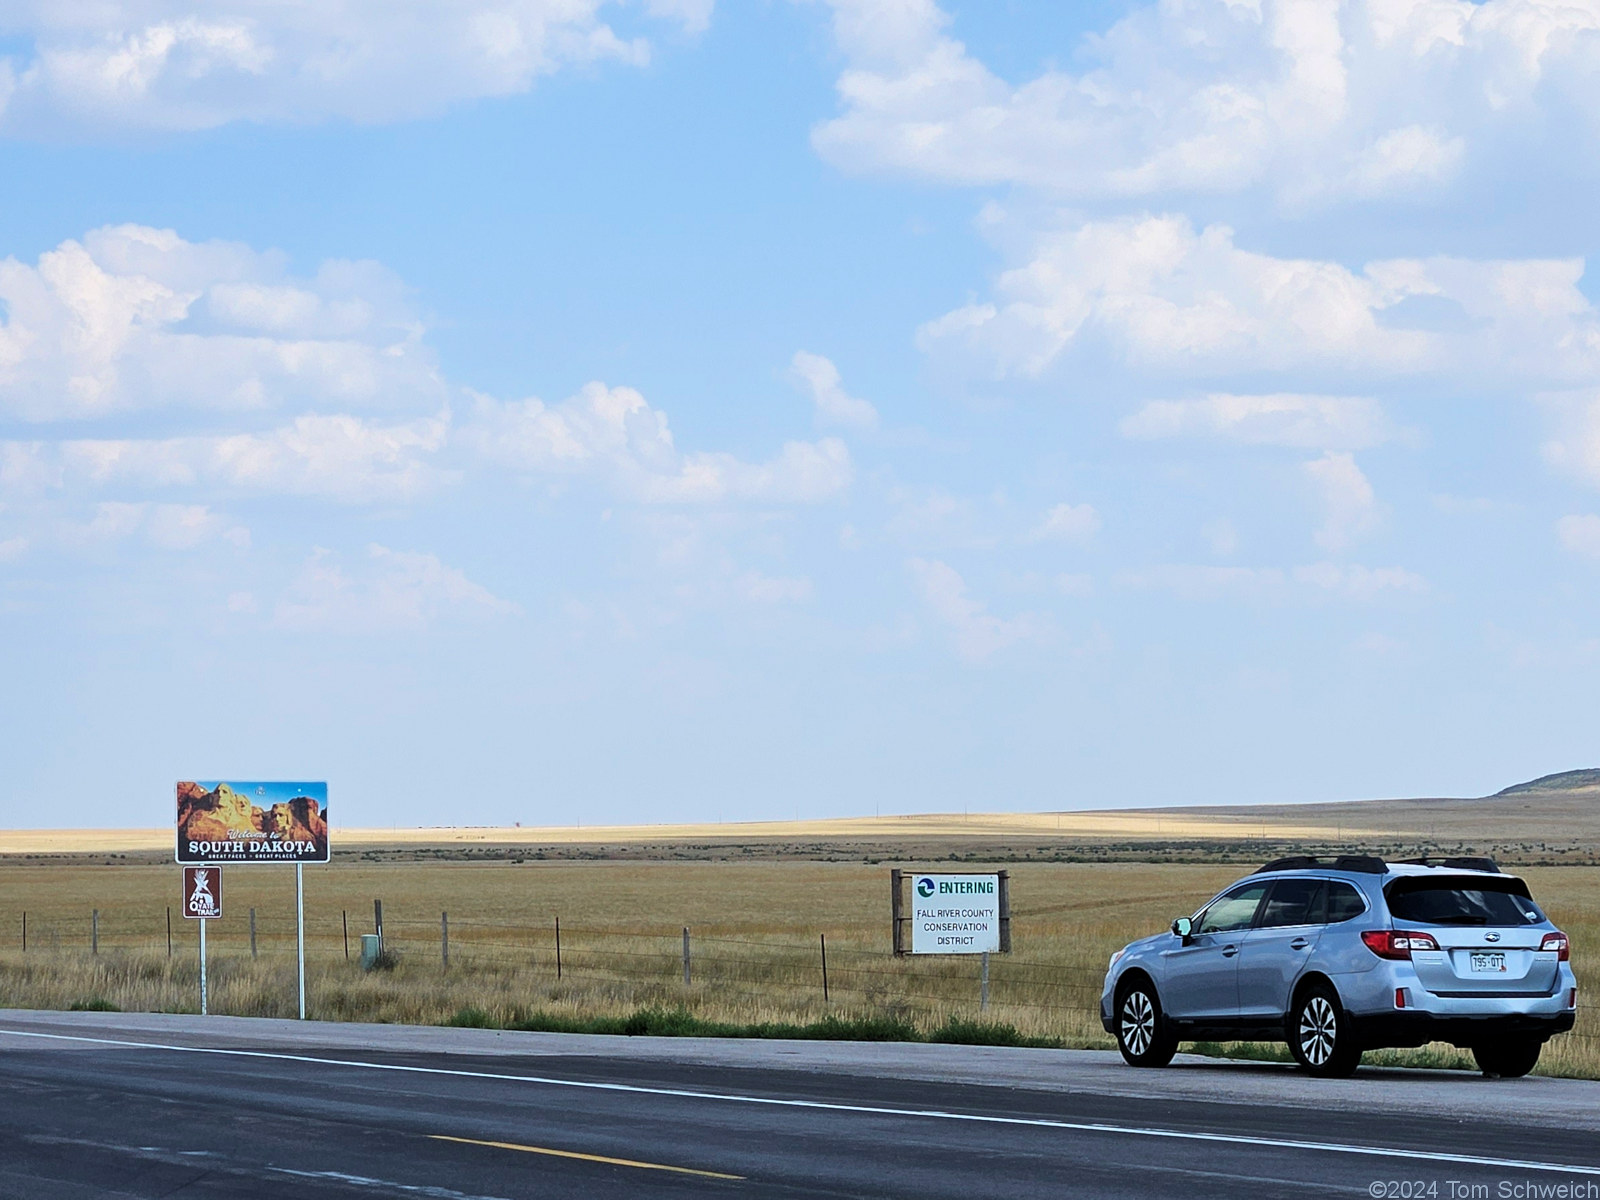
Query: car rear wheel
(1509, 1058)
(1143, 1035)
(1319, 1034)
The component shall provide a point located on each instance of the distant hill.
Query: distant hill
(1565, 781)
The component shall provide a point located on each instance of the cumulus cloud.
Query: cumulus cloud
(1575, 450)
(1580, 535)
(1283, 419)
(165, 526)
(392, 590)
(1314, 580)
(132, 318)
(342, 458)
(1303, 101)
(978, 633)
(615, 435)
(818, 377)
(1067, 523)
(1161, 297)
(183, 65)
(1350, 508)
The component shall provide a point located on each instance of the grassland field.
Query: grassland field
(756, 932)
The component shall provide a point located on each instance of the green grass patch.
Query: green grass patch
(679, 1022)
(94, 1004)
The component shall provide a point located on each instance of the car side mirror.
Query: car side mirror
(1183, 927)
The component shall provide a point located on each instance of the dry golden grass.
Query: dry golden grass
(754, 936)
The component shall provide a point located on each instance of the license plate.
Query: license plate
(1488, 963)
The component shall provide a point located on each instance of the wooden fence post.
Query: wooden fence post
(94, 932)
(685, 956)
(444, 938)
(252, 933)
(824, 939)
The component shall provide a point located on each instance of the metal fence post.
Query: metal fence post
(94, 932)
(169, 931)
(983, 987)
(444, 937)
(558, 947)
(344, 919)
(377, 922)
(24, 931)
(252, 933)
(824, 939)
(685, 956)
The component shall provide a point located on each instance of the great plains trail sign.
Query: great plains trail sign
(202, 893)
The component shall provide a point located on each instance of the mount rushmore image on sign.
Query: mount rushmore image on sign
(252, 822)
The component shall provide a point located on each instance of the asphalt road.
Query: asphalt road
(113, 1105)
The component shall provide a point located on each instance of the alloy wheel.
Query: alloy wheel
(1319, 1028)
(1138, 1022)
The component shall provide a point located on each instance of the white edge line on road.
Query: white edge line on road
(833, 1106)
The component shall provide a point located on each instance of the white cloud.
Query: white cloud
(770, 589)
(133, 318)
(612, 433)
(1068, 523)
(1274, 584)
(1580, 535)
(1304, 100)
(1221, 536)
(1282, 419)
(13, 548)
(165, 526)
(1576, 448)
(182, 64)
(343, 458)
(819, 377)
(1349, 506)
(391, 591)
(1156, 295)
(978, 633)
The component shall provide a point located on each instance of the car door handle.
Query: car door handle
(1299, 944)
(1229, 951)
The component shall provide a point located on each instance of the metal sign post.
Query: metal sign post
(300, 929)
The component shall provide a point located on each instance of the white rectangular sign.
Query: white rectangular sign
(955, 914)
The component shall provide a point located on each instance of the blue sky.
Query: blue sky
(663, 411)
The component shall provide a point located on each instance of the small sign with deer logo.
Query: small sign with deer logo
(202, 892)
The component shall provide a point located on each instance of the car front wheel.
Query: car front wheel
(1510, 1058)
(1142, 1032)
(1319, 1034)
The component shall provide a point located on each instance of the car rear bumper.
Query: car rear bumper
(1416, 1028)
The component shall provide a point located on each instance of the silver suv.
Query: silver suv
(1338, 956)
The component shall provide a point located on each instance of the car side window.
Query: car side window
(1233, 910)
(1294, 902)
(1344, 902)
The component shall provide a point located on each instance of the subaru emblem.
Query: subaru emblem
(1491, 937)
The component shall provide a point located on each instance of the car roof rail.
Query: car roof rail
(1362, 864)
(1457, 863)
(1293, 862)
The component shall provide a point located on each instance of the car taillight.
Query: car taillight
(1558, 943)
(1396, 943)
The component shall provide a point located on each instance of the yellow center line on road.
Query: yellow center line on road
(598, 1158)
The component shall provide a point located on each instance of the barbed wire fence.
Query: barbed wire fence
(836, 971)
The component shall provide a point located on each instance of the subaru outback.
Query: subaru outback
(1339, 956)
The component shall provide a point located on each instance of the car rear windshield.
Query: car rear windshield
(1461, 900)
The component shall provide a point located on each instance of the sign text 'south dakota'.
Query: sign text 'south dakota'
(253, 848)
